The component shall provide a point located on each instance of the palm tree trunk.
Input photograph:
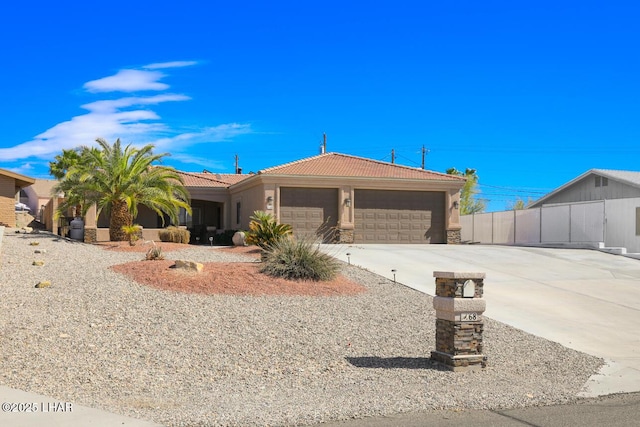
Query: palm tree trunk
(119, 216)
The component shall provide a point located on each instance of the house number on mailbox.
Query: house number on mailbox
(468, 317)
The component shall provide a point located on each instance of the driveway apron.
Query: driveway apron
(583, 299)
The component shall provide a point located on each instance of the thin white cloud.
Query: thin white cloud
(180, 142)
(128, 118)
(128, 81)
(113, 105)
(205, 163)
(174, 64)
(23, 169)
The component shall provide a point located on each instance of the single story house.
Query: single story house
(598, 209)
(11, 184)
(341, 197)
(595, 184)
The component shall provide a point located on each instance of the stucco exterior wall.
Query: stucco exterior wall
(250, 199)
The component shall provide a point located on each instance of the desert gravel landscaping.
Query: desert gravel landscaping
(181, 357)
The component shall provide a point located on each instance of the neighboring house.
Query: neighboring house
(598, 209)
(595, 184)
(10, 185)
(345, 198)
(37, 195)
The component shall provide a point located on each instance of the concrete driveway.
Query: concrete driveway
(584, 299)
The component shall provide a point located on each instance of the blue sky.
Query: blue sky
(531, 94)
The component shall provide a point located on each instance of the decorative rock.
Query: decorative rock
(43, 284)
(38, 263)
(34, 243)
(27, 229)
(40, 251)
(239, 238)
(189, 266)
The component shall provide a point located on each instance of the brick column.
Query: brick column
(459, 325)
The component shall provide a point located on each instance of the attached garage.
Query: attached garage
(386, 216)
(310, 211)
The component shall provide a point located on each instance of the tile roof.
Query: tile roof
(342, 165)
(212, 180)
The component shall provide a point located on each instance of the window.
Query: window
(637, 221)
(597, 181)
(238, 206)
(605, 181)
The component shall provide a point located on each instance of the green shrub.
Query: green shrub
(298, 260)
(265, 231)
(133, 232)
(175, 235)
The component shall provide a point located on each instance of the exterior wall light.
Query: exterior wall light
(456, 205)
(347, 202)
(270, 202)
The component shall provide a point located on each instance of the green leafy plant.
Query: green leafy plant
(264, 231)
(154, 253)
(133, 233)
(175, 235)
(118, 179)
(295, 259)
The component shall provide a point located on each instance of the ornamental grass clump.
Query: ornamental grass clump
(174, 235)
(295, 259)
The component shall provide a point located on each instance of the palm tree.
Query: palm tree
(468, 202)
(118, 181)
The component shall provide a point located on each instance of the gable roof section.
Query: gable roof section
(211, 180)
(20, 180)
(631, 178)
(342, 165)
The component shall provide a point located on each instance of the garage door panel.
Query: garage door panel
(310, 211)
(383, 216)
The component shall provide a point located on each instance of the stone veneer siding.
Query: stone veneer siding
(454, 237)
(90, 234)
(345, 236)
(459, 344)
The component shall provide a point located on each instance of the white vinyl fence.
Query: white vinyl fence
(612, 222)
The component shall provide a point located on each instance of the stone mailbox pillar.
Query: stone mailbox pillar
(459, 325)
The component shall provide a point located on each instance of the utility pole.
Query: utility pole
(236, 163)
(424, 153)
(324, 143)
(393, 156)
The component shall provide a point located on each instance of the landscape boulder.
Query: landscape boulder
(189, 266)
